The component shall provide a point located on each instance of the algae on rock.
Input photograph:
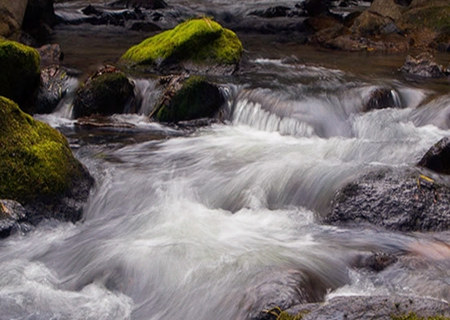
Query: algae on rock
(36, 159)
(20, 72)
(200, 41)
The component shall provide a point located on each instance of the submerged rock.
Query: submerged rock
(19, 76)
(397, 200)
(38, 168)
(438, 157)
(107, 92)
(381, 98)
(375, 307)
(200, 42)
(423, 66)
(188, 99)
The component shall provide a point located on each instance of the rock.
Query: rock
(11, 16)
(316, 7)
(423, 66)
(438, 157)
(19, 76)
(51, 54)
(369, 24)
(11, 213)
(188, 99)
(39, 18)
(145, 27)
(38, 168)
(91, 10)
(387, 8)
(401, 200)
(55, 83)
(377, 307)
(382, 98)
(147, 4)
(272, 12)
(200, 42)
(376, 262)
(107, 92)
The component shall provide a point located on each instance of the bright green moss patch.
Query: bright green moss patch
(196, 99)
(36, 160)
(413, 316)
(198, 40)
(19, 76)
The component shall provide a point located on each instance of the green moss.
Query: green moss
(196, 99)
(36, 159)
(286, 316)
(436, 18)
(413, 316)
(198, 40)
(20, 70)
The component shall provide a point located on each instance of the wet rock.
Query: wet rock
(38, 168)
(147, 4)
(199, 43)
(381, 98)
(51, 54)
(55, 83)
(188, 99)
(91, 11)
(438, 157)
(402, 200)
(376, 262)
(387, 8)
(423, 66)
(107, 92)
(11, 213)
(19, 76)
(272, 12)
(11, 16)
(316, 7)
(283, 27)
(145, 27)
(369, 23)
(377, 307)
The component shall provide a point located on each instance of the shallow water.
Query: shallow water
(222, 222)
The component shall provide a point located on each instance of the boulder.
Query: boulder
(376, 307)
(438, 157)
(369, 23)
(423, 66)
(11, 16)
(107, 92)
(188, 99)
(201, 42)
(316, 7)
(387, 8)
(146, 4)
(19, 76)
(55, 83)
(381, 98)
(39, 18)
(51, 54)
(402, 200)
(11, 213)
(38, 168)
(272, 12)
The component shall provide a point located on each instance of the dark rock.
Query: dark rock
(382, 98)
(39, 18)
(11, 213)
(188, 99)
(401, 200)
(51, 54)
(438, 157)
(423, 66)
(91, 10)
(376, 262)
(11, 17)
(317, 7)
(107, 92)
(145, 27)
(147, 4)
(55, 83)
(377, 307)
(403, 3)
(272, 12)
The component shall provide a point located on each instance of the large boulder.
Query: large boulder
(403, 200)
(19, 76)
(387, 8)
(438, 157)
(38, 168)
(107, 92)
(201, 42)
(39, 18)
(11, 16)
(188, 99)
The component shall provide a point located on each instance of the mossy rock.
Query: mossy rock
(435, 18)
(36, 159)
(20, 70)
(196, 99)
(201, 41)
(105, 93)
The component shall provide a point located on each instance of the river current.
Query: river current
(219, 222)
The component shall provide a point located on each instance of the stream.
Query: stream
(219, 222)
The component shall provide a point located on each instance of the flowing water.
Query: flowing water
(221, 222)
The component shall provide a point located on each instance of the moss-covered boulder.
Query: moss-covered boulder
(107, 92)
(11, 16)
(198, 41)
(189, 99)
(37, 167)
(20, 70)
